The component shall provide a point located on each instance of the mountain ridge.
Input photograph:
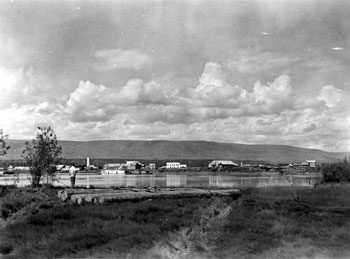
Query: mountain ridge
(168, 149)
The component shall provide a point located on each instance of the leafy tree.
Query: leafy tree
(42, 154)
(3, 146)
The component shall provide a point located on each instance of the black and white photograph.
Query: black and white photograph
(175, 129)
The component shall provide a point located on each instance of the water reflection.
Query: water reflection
(168, 180)
(173, 180)
(262, 181)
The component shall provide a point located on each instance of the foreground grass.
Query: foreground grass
(71, 229)
(263, 223)
(289, 223)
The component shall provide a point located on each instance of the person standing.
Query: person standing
(72, 173)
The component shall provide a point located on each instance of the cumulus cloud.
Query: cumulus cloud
(211, 76)
(109, 59)
(331, 95)
(20, 121)
(138, 92)
(213, 98)
(19, 86)
(214, 91)
(90, 102)
(275, 96)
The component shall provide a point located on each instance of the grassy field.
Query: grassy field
(263, 223)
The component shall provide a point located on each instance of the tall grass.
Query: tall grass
(271, 223)
(68, 230)
(277, 222)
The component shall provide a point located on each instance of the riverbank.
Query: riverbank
(276, 222)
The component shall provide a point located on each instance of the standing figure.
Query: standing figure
(72, 173)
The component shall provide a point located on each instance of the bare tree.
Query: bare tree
(42, 154)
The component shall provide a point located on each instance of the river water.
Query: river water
(171, 180)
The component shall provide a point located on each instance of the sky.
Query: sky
(251, 72)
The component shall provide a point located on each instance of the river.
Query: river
(171, 180)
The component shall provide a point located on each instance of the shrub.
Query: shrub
(336, 172)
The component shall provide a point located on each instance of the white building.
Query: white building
(172, 165)
(152, 166)
(175, 165)
(106, 166)
(222, 163)
(311, 163)
(112, 170)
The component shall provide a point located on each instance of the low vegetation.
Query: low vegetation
(77, 230)
(264, 223)
(26, 201)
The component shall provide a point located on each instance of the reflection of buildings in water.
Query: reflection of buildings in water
(114, 180)
(146, 181)
(19, 180)
(139, 181)
(106, 180)
(151, 180)
(273, 181)
(218, 181)
(286, 181)
(118, 180)
(173, 180)
(130, 180)
(222, 181)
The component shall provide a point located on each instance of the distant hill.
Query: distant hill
(172, 150)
